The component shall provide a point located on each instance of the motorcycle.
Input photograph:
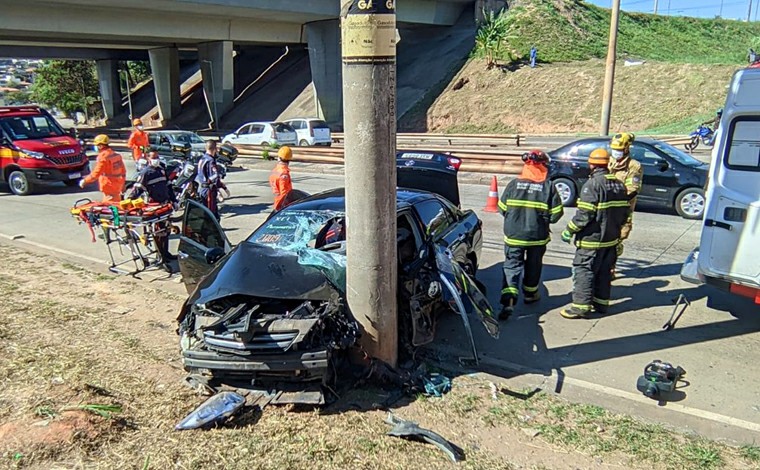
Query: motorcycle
(702, 133)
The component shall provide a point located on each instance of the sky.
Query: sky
(728, 9)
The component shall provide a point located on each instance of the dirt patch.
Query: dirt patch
(567, 97)
(48, 433)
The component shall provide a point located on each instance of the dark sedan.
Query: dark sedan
(271, 312)
(672, 178)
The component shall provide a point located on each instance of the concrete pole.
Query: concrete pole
(655, 6)
(609, 75)
(369, 109)
(749, 11)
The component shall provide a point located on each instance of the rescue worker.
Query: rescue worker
(138, 140)
(109, 171)
(154, 186)
(603, 209)
(529, 204)
(279, 179)
(629, 172)
(209, 179)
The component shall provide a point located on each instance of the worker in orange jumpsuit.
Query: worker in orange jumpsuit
(109, 171)
(279, 180)
(138, 140)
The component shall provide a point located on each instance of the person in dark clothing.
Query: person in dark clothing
(603, 208)
(529, 204)
(752, 56)
(209, 179)
(154, 186)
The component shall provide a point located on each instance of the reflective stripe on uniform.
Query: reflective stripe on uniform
(156, 180)
(530, 289)
(510, 290)
(586, 206)
(601, 301)
(556, 210)
(513, 242)
(596, 245)
(502, 206)
(572, 227)
(611, 204)
(610, 177)
(581, 307)
(527, 204)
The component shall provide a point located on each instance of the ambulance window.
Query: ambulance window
(743, 151)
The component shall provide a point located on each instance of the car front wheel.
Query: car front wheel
(690, 203)
(566, 189)
(19, 183)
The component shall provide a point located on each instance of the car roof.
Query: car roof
(646, 140)
(335, 200)
(171, 132)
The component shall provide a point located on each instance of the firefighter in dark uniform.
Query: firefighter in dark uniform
(529, 204)
(154, 186)
(209, 179)
(603, 209)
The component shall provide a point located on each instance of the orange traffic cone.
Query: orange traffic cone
(493, 197)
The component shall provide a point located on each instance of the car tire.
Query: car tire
(567, 191)
(19, 183)
(303, 143)
(690, 203)
(265, 144)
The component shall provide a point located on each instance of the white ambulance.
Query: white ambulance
(728, 256)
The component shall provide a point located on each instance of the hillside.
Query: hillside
(568, 30)
(566, 97)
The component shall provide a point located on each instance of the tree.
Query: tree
(491, 35)
(69, 85)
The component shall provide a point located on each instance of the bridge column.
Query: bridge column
(323, 39)
(216, 63)
(164, 63)
(110, 91)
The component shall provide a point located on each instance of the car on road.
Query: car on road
(177, 144)
(262, 133)
(672, 178)
(311, 131)
(272, 311)
(35, 149)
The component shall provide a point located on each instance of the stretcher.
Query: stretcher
(131, 225)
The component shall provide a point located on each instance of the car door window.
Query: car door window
(646, 156)
(152, 139)
(408, 239)
(244, 130)
(257, 129)
(582, 151)
(200, 228)
(434, 216)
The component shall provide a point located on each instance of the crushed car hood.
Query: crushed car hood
(262, 271)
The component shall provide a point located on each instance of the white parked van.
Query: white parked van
(311, 131)
(729, 250)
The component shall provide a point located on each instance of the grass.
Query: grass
(570, 30)
(750, 453)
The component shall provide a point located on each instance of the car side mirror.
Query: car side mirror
(663, 165)
(213, 255)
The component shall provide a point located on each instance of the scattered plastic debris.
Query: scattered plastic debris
(217, 408)
(436, 385)
(410, 430)
(494, 391)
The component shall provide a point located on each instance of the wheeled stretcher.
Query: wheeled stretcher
(131, 225)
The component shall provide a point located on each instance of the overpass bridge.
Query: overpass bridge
(164, 30)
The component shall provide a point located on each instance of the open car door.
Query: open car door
(201, 244)
(464, 296)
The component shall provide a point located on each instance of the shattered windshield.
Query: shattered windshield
(317, 237)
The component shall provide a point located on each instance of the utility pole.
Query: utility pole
(609, 75)
(749, 11)
(368, 29)
(655, 6)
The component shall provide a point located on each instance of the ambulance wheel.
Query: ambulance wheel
(19, 183)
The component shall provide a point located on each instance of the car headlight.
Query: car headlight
(31, 154)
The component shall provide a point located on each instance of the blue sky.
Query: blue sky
(732, 9)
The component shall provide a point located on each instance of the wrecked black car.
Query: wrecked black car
(271, 314)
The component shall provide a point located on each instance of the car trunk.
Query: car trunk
(319, 130)
(427, 171)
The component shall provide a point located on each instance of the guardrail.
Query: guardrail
(480, 140)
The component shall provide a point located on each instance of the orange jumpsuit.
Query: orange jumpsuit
(281, 185)
(110, 172)
(137, 140)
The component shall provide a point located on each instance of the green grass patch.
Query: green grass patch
(569, 30)
(751, 453)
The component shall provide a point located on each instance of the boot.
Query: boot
(531, 297)
(507, 309)
(574, 313)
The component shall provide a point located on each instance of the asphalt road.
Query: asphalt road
(590, 360)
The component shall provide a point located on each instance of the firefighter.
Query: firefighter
(109, 171)
(153, 184)
(529, 204)
(138, 140)
(209, 179)
(279, 179)
(603, 209)
(628, 171)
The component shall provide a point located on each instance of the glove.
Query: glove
(566, 236)
(227, 193)
(81, 184)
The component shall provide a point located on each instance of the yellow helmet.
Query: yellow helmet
(102, 139)
(622, 141)
(137, 122)
(599, 157)
(285, 154)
